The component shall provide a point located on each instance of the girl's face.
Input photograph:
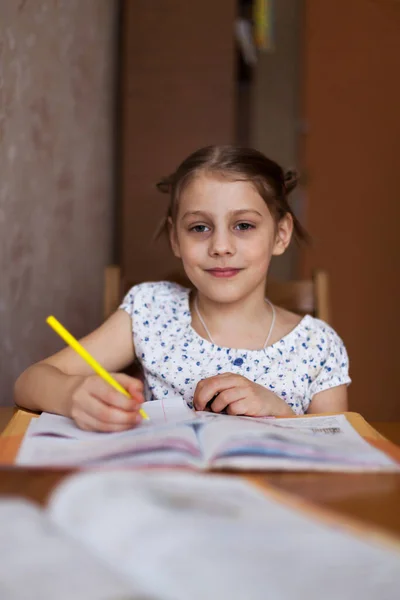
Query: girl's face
(225, 236)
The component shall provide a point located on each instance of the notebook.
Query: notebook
(129, 535)
(177, 436)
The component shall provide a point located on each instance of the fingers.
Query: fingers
(106, 413)
(95, 386)
(226, 398)
(94, 415)
(238, 407)
(132, 385)
(96, 406)
(208, 388)
(90, 423)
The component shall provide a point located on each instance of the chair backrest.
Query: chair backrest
(302, 297)
(308, 296)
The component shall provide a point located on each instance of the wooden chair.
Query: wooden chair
(302, 297)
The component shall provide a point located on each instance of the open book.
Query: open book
(176, 436)
(150, 535)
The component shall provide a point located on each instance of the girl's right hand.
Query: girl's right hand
(96, 406)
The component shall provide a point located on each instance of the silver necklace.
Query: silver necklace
(196, 307)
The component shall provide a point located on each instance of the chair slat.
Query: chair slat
(302, 297)
(296, 296)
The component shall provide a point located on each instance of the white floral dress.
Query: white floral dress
(309, 359)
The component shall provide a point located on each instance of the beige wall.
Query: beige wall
(56, 139)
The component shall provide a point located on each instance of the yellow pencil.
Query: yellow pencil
(75, 345)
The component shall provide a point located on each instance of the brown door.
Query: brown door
(352, 161)
(177, 96)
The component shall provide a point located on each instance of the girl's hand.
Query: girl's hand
(96, 406)
(239, 396)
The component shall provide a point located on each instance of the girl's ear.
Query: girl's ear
(173, 238)
(283, 236)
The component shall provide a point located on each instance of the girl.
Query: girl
(224, 342)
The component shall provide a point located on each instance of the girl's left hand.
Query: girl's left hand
(239, 396)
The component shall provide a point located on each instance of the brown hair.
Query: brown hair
(240, 164)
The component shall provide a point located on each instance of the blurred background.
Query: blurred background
(99, 98)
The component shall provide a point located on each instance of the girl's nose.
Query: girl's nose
(221, 243)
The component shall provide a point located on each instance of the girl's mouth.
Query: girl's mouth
(225, 272)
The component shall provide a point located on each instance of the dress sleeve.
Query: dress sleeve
(333, 364)
(150, 306)
(128, 303)
(138, 304)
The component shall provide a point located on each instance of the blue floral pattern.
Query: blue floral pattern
(309, 359)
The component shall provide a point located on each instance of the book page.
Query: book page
(40, 562)
(56, 440)
(186, 536)
(327, 425)
(160, 412)
(313, 443)
(170, 445)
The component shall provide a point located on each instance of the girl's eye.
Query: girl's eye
(199, 228)
(244, 226)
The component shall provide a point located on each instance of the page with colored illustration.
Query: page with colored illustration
(311, 443)
(177, 436)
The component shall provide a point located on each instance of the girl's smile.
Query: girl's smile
(223, 272)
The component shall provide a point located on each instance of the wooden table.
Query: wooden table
(373, 499)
